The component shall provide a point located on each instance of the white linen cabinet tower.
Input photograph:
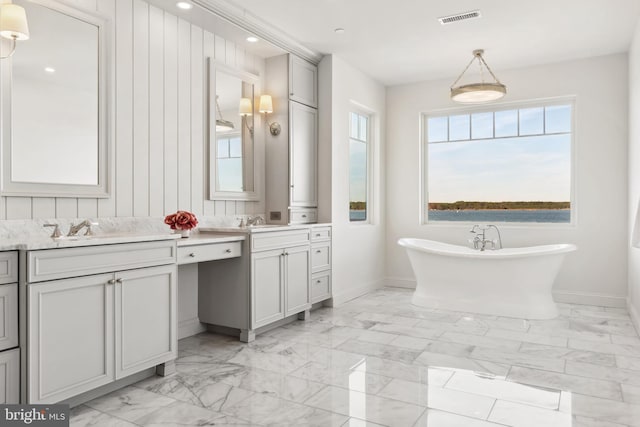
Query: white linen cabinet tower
(291, 156)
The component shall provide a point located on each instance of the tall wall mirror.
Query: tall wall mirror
(54, 105)
(232, 155)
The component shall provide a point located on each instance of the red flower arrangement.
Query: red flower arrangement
(181, 220)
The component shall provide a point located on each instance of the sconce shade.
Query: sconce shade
(245, 109)
(13, 22)
(266, 104)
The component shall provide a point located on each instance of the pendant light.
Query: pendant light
(478, 93)
(222, 125)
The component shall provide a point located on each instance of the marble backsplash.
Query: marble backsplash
(32, 228)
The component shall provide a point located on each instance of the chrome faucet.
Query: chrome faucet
(254, 220)
(75, 229)
(480, 241)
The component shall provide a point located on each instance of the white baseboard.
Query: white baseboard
(190, 327)
(589, 299)
(350, 294)
(635, 318)
(398, 282)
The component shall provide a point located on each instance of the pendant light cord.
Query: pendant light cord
(482, 62)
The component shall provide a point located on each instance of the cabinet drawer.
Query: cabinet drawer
(320, 257)
(51, 264)
(321, 287)
(210, 252)
(303, 216)
(8, 316)
(8, 267)
(279, 239)
(320, 233)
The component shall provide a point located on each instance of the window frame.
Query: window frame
(495, 107)
(370, 143)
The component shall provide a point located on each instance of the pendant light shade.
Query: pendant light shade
(478, 93)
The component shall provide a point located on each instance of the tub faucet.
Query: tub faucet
(480, 241)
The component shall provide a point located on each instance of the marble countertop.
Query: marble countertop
(35, 243)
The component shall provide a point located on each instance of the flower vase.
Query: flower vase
(183, 233)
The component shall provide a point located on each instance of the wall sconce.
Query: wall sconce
(13, 25)
(246, 109)
(266, 107)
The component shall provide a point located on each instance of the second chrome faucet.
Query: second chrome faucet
(480, 241)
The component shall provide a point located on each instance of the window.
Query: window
(229, 159)
(502, 165)
(359, 152)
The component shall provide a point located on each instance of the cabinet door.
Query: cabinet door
(303, 82)
(145, 310)
(303, 148)
(70, 337)
(267, 298)
(10, 377)
(297, 279)
(8, 316)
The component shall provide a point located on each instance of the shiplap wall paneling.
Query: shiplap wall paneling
(124, 108)
(141, 149)
(156, 112)
(158, 123)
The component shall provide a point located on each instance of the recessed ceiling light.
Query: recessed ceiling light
(184, 5)
(339, 31)
(252, 39)
(50, 69)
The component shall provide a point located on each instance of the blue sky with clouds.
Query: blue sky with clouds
(520, 168)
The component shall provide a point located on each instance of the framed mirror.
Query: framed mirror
(232, 119)
(54, 105)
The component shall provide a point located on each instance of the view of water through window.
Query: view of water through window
(500, 166)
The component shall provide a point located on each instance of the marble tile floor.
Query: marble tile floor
(379, 361)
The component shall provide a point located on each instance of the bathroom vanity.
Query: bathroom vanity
(282, 272)
(98, 313)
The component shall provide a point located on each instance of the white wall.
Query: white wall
(597, 273)
(634, 173)
(158, 119)
(358, 249)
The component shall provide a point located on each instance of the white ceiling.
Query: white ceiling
(401, 41)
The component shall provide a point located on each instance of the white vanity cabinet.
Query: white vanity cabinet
(303, 81)
(293, 193)
(303, 153)
(87, 331)
(320, 263)
(280, 275)
(9, 340)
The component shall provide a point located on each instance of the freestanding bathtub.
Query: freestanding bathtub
(511, 282)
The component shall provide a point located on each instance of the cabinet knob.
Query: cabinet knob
(286, 253)
(228, 251)
(291, 186)
(192, 255)
(119, 280)
(318, 251)
(290, 93)
(304, 216)
(111, 282)
(318, 234)
(318, 281)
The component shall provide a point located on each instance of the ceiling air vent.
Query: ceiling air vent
(459, 17)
